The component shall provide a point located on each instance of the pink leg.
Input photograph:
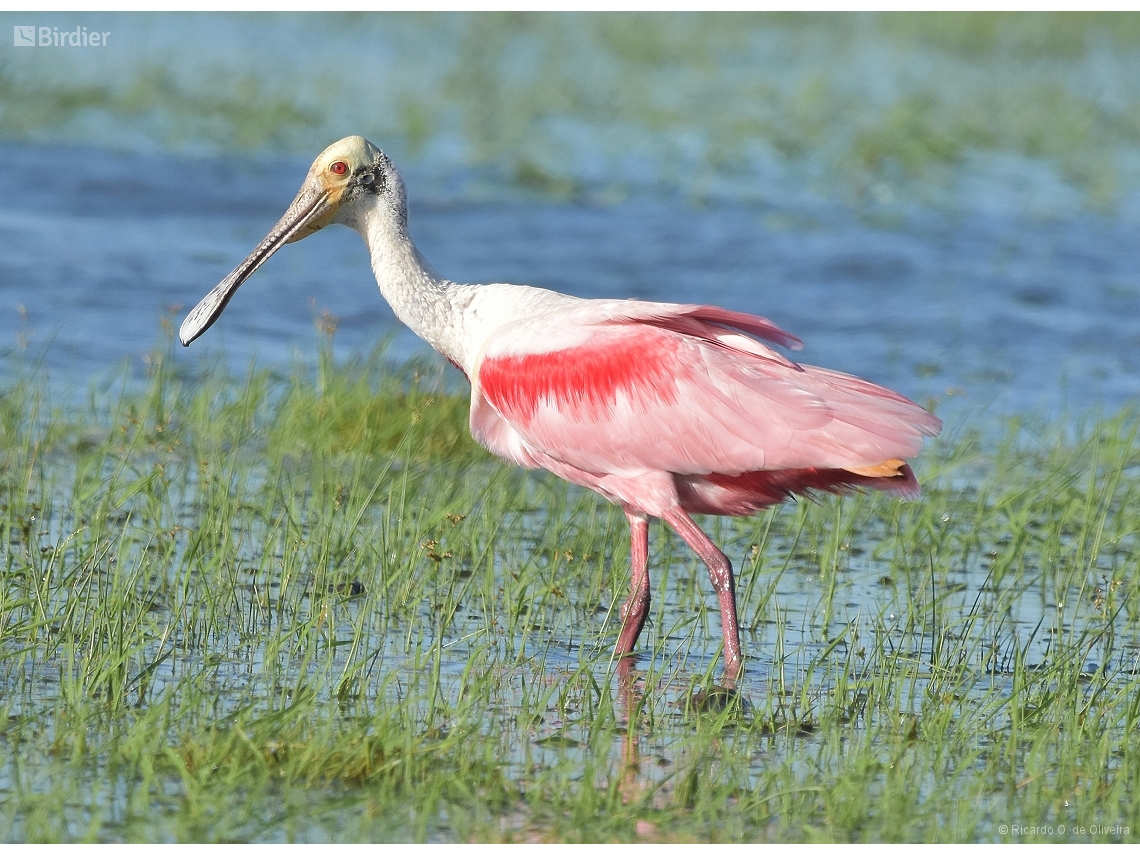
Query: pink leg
(720, 572)
(636, 608)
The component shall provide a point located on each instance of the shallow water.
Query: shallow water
(1004, 311)
(957, 221)
(945, 205)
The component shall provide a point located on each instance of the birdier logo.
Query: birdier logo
(32, 36)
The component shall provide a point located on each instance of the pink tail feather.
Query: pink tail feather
(745, 494)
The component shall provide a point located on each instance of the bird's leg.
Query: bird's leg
(720, 572)
(636, 607)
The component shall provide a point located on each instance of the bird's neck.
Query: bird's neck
(432, 307)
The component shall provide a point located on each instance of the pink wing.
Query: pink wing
(654, 387)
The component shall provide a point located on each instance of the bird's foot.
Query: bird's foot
(715, 699)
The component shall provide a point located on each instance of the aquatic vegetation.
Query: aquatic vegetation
(298, 607)
(301, 604)
(582, 105)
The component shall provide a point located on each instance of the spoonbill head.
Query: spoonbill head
(345, 184)
(665, 409)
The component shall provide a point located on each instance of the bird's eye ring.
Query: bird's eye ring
(339, 168)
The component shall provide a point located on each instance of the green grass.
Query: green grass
(309, 608)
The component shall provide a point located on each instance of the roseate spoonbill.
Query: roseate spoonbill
(666, 410)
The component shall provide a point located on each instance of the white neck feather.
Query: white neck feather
(432, 307)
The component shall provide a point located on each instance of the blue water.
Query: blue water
(984, 310)
(950, 208)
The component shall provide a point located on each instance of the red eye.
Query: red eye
(340, 167)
